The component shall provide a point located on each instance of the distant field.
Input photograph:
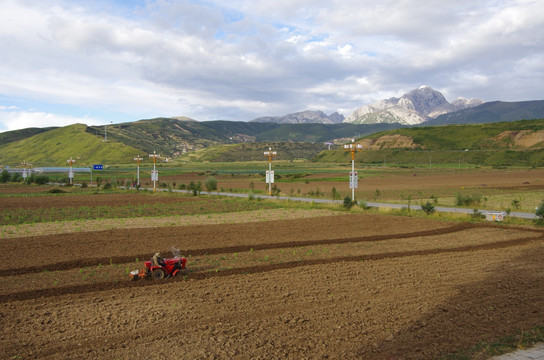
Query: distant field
(514, 189)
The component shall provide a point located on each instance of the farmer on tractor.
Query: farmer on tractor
(157, 260)
(160, 268)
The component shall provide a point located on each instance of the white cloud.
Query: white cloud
(240, 59)
(13, 118)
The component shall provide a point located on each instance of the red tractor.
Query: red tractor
(165, 268)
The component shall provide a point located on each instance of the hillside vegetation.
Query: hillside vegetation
(54, 147)
(494, 144)
(473, 137)
(519, 143)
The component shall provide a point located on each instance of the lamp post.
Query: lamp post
(154, 174)
(353, 175)
(23, 164)
(71, 173)
(138, 159)
(269, 173)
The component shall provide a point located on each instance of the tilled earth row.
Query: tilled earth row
(345, 286)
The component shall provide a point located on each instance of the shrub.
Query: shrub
(57, 191)
(275, 190)
(467, 200)
(210, 183)
(107, 186)
(41, 179)
(428, 208)
(5, 176)
(476, 215)
(335, 194)
(348, 203)
(540, 212)
(16, 177)
(84, 185)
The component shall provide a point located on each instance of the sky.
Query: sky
(112, 61)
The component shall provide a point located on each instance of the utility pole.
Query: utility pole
(138, 159)
(353, 148)
(71, 172)
(155, 173)
(269, 173)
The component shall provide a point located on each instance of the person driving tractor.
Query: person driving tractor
(157, 260)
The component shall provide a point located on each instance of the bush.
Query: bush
(41, 179)
(84, 185)
(348, 203)
(428, 208)
(16, 177)
(540, 212)
(467, 200)
(57, 191)
(5, 176)
(210, 183)
(107, 186)
(335, 194)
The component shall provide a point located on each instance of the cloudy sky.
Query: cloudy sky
(111, 61)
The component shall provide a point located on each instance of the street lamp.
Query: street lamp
(353, 175)
(154, 173)
(25, 165)
(71, 173)
(138, 159)
(269, 173)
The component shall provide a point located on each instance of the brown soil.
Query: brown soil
(340, 287)
(420, 182)
(67, 200)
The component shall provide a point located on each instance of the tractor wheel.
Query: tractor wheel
(158, 274)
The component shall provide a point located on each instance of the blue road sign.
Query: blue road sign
(98, 167)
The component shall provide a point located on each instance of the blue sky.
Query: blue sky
(101, 61)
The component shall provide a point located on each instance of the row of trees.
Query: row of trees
(39, 179)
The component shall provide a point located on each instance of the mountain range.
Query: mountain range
(304, 117)
(420, 107)
(413, 108)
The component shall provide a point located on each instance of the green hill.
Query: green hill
(16, 135)
(492, 111)
(54, 147)
(519, 143)
(472, 137)
(255, 151)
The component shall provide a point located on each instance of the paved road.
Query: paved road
(535, 353)
(371, 204)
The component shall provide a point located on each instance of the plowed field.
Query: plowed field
(348, 286)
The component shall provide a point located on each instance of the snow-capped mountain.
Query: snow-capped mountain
(412, 108)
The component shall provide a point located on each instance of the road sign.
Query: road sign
(269, 177)
(154, 175)
(353, 180)
(71, 174)
(98, 167)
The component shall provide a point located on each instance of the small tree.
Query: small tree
(41, 179)
(5, 176)
(428, 208)
(210, 184)
(16, 177)
(348, 203)
(540, 212)
(335, 194)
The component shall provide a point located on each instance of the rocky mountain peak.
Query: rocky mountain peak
(414, 107)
